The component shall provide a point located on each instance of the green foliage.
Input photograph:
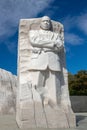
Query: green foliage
(78, 83)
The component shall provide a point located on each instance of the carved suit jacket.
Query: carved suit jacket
(45, 46)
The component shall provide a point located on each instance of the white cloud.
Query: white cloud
(82, 22)
(73, 39)
(79, 22)
(69, 22)
(13, 10)
(72, 23)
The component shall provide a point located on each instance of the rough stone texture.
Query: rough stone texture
(8, 86)
(8, 102)
(7, 122)
(33, 110)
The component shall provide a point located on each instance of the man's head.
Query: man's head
(45, 23)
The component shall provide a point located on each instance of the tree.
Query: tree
(78, 83)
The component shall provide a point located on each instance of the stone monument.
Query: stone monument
(8, 87)
(42, 95)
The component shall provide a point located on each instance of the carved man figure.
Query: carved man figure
(42, 94)
(45, 64)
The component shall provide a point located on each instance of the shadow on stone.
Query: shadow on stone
(79, 118)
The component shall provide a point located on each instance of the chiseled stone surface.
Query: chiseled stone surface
(7, 122)
(8, 86)
(42, 93)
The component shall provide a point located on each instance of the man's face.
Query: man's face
(46, 24)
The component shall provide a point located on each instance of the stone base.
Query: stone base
(35, 115)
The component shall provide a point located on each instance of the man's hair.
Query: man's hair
(46, 18)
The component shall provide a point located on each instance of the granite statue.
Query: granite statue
(42, 95)
(45, 61)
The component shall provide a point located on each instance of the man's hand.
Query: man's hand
(58, 45)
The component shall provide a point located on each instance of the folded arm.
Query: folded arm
(55, 44)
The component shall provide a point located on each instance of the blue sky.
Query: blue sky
(71, 13)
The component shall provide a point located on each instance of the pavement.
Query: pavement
(7, 122)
